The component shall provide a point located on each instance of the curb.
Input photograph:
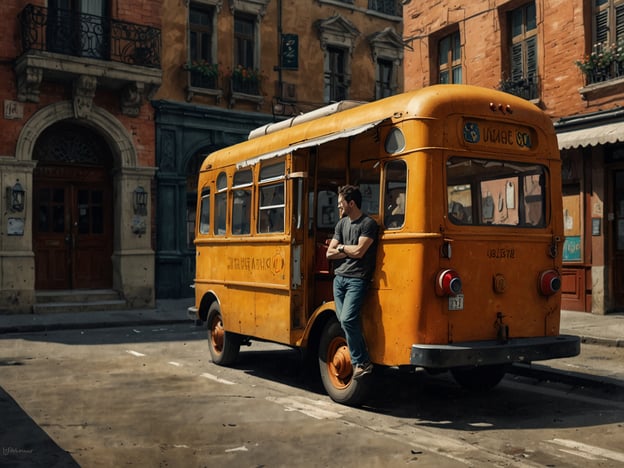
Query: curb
(31, 328)
(542, 372)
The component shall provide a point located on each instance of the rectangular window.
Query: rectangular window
(204, 214)
(241, 203)
(220, 207)
(271, 214)
(609, 22)
(449, 59)
(388, 7)
(244, 41)
(201, 36)
(335, 75)
(491, 192)
(523, 79)
(383, 86)
(200, 33)
(395, 193)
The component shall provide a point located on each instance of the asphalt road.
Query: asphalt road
(149, 396)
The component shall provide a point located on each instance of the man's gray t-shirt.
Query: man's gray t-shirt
(348, 232)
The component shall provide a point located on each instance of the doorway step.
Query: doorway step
(77, 300)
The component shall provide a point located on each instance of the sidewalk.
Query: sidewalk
(595, 329)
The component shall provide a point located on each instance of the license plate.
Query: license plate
(456, 302)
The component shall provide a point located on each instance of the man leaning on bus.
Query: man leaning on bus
(353, 247)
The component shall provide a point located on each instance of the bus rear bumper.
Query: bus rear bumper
(483, 353)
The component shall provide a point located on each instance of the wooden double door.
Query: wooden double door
(72, 228)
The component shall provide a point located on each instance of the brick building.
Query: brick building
(77, 149)
(567, 57)
(230, 66)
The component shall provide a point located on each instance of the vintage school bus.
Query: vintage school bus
(465, 185)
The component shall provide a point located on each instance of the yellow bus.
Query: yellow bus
(465, 184)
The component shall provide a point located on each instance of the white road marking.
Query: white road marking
(306, 406)
(134, 353)
(217, 379)
(173, 363)
(580, 447)
(238, 449)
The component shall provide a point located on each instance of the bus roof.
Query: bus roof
(432, 102)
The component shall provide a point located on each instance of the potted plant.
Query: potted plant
(605, 62)
(203, 73)
(245, 80)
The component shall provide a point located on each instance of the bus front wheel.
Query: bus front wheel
(224, 346)
(479, 378)
(336, 369)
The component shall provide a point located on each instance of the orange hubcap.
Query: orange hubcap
(217, 333)
(339, 362)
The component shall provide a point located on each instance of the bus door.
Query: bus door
(299, 254)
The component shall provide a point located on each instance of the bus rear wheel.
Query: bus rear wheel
(224, 346)
(336, 369)
(479, 378)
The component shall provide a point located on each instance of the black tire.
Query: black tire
(224, 346)
(481, 378)
(336, 369)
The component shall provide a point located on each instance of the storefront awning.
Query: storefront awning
(591, 136)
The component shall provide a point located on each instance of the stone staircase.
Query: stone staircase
(78, 300)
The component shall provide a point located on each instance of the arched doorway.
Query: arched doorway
(72, 209)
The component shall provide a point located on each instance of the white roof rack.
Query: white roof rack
(301, 118)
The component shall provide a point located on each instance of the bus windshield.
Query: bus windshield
(495, 192)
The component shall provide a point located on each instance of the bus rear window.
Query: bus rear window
(494, 192)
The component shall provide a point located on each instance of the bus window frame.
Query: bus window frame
(219, 197)
(241, 187)
(272, 181)
(475, 182)
(204, 217)
(396, 221)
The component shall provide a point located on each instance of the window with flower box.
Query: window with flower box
(201, 66)
(606, 58)
(522, 80)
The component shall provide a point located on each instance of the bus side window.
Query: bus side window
(220, 205)
(241, 203)
(271, 209)
(327, 214)
(204, 212)
(395, 190)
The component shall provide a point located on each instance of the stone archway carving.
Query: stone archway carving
(116, 135)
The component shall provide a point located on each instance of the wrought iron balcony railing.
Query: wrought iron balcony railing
(526, 87)
(84, 35)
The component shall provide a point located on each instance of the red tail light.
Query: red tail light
(549, 282)
(448, 283)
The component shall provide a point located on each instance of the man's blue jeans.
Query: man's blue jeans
(349, 295)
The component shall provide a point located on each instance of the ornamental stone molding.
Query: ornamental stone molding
(337, 31)
(137, 84)
(386, 44)
(251, 7)
(115, 134)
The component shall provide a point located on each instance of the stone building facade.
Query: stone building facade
(230, 66)
(566, 57)
(77, 149)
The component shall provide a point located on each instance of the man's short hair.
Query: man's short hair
(351, 192)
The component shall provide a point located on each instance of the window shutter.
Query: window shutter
(602, 26)
(531, 45)
(619, 24)
(516, 62)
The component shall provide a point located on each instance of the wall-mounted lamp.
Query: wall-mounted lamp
(15, 197)
(140, 201)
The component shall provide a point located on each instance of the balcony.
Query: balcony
(89, 51)
(525, 87)
(245, 86)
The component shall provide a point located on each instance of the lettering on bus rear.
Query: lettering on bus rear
(500, 135)
(502, 253)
